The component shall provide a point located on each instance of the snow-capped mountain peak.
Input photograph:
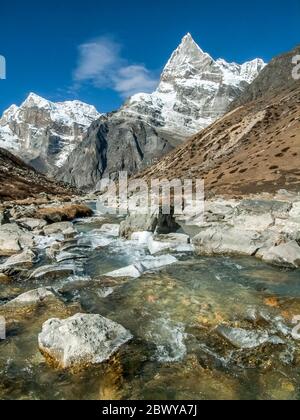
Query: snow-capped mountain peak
(194, 89)
(44, 131)
(185, 60)
(34, 100)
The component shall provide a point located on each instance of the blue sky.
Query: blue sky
(100, 51)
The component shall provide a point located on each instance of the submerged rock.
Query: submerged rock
(154, 263)
(244, 339)
(31, 298)
(132, 271)
(81, 341)
(142, 238)
(147, 264)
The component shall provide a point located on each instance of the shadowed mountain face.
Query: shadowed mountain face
(194, 91)
(20, 181)
(254, 148)
(273, 78)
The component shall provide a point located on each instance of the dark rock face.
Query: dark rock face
(275, 77)
(114, 143)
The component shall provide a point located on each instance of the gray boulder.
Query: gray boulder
(13, 239)
(65, 228)
(151, 222)
(81, 341)
(32, 223)
(284, 255)
(227, 240)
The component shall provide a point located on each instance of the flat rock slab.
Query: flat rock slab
(81, 341)
(177, 242)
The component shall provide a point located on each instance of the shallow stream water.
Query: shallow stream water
(173, 314)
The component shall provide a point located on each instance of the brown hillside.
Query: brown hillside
(19, 181)
(255, 148)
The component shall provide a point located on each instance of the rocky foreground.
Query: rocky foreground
(40, 243)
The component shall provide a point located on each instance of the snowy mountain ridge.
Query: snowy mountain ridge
(45, 132)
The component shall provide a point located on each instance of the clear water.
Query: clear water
(173, 314)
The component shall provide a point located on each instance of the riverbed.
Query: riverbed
(174, 314)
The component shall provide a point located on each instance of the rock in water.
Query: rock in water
(82, 340)
(32, 297)
(243, 339)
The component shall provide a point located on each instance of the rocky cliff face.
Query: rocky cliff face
(193, 92)
(44, 133)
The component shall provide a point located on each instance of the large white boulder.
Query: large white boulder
(82, 340)
(227, 240)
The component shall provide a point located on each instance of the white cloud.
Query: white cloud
(132, 79)
(101, 64)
